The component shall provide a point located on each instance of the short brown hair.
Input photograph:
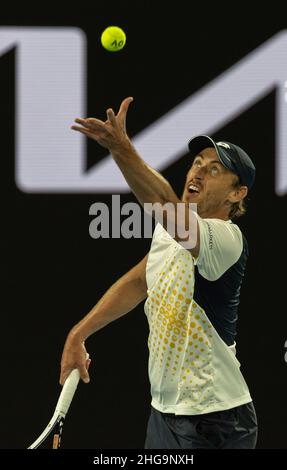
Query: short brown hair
(238, 208)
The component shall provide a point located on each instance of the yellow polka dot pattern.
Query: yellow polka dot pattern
(180, 332)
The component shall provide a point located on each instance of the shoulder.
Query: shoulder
(219, 230)
(221, 244)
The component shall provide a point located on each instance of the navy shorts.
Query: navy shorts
(229, 429)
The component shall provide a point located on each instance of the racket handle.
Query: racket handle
(68, 392)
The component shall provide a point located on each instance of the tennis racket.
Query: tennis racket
(52, 434)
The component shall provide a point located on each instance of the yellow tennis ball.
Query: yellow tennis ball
(113, 38)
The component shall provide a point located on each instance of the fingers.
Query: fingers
(84, 374)
(83, 122)
(91, 127)
(64, 374)
(90, 123)
(111, 116)
(84, 131)
(83, 370)
(125, 105)
(78, 128)
(93, 124)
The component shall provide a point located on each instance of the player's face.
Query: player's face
(208, 184)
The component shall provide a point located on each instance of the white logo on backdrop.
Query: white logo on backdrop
(51, 92)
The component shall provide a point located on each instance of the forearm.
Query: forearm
(148, 185)
(121, 298)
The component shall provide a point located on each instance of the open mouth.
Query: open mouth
(193, 189)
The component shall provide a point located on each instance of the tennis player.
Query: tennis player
(191, 284)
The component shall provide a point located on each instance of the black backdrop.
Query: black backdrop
(53, 272)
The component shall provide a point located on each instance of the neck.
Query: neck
(217, 214)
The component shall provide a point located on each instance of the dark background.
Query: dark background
(53, 272)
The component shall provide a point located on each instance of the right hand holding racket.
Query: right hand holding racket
(74, 356)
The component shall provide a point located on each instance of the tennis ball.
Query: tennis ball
(113, 38)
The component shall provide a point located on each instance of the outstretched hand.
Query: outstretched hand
(108, 134)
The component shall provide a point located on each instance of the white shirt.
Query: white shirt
(191, 369)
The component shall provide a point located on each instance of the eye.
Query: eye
(214, 170)
(196, 163)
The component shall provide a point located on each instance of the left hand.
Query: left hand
(109, 134)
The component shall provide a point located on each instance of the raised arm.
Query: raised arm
(120, 299)
(148, 185)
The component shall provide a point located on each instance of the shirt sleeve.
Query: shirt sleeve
(221, 245)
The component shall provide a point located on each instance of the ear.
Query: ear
(237, 194)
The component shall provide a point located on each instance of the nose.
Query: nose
(199, 172)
